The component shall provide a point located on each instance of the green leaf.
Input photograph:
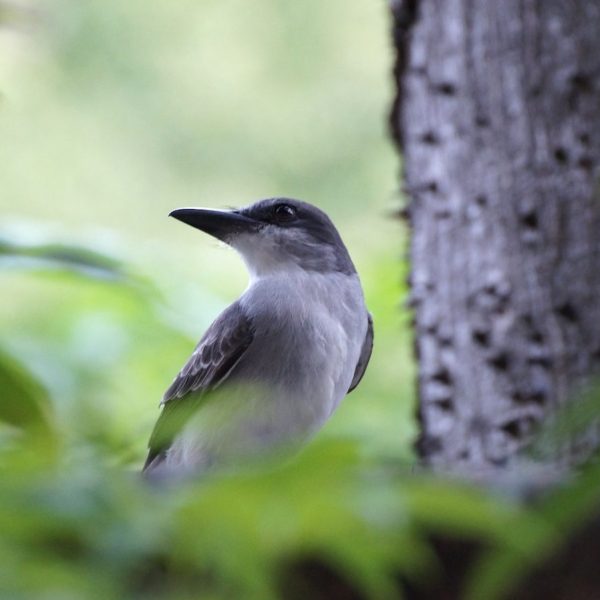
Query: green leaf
(60, 256)
(24, 402)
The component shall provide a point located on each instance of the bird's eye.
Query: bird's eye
(284, 213)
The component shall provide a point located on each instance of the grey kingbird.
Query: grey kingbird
(282, 356)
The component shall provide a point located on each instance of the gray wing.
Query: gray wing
(219, 350)
(365, 355)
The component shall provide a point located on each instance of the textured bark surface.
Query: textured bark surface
(498, 119)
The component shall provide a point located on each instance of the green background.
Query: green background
(114, 113)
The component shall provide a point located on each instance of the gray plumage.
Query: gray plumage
(276, 363)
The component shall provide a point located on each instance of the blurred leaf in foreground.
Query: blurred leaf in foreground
(24, 402)
(60, 256)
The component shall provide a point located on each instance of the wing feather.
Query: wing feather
(215, 356)
(365, 355)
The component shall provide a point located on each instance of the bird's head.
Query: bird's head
(275, 235)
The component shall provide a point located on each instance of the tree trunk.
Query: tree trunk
(498, 118)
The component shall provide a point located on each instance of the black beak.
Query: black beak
(221, 224)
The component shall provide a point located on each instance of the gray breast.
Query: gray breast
(309, 330)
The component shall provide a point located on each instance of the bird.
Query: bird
(275, 364)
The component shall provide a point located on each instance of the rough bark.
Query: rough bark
(498, 119)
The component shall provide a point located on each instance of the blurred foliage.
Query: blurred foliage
(25, 404)
(77, 525)
(60, 256)
(112, 114)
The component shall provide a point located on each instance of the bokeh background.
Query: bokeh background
(114, 113)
